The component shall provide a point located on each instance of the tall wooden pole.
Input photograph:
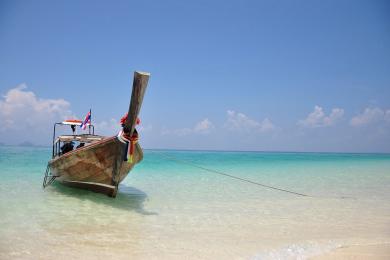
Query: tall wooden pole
(140, 83)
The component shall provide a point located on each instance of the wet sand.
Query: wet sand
(358, 252)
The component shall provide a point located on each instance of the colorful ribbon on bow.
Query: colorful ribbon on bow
(130, 145)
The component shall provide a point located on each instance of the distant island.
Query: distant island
(27, 143)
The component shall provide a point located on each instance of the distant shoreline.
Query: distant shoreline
(222, 151)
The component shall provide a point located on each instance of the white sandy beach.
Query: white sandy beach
(358, 252)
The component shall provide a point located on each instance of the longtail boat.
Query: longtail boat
(98, 163)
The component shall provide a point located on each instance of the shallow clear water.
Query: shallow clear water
(168, 209)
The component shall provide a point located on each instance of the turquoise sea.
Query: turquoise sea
(166, 209)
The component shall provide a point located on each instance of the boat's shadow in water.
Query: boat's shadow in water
(128, 198)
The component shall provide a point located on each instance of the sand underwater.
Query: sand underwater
(169, 210)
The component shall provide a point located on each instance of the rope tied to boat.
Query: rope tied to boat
(130, 144)
(172, 158)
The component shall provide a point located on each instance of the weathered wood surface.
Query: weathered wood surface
(140, 83)
(96, 165)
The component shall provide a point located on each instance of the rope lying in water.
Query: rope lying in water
(242, 179)
(229, 175)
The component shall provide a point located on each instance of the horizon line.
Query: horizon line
(219, 150)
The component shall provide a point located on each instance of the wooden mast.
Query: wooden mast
(139, 86)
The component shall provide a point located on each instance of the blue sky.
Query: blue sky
(230, 75)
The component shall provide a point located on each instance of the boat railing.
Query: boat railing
(85, 138)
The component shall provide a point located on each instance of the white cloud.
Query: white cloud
(370, 116)
(143, 129)
(182, 131)
(387, 115)
(107, 127)
(242, 123)
(203, 127)
(26, 117)
(165, 131)
(21, 109)
(318, 118)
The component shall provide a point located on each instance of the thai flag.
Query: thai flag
(87, 121)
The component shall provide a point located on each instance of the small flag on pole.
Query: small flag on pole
(86, 121)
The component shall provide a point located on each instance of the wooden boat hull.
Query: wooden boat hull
(98, 167)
